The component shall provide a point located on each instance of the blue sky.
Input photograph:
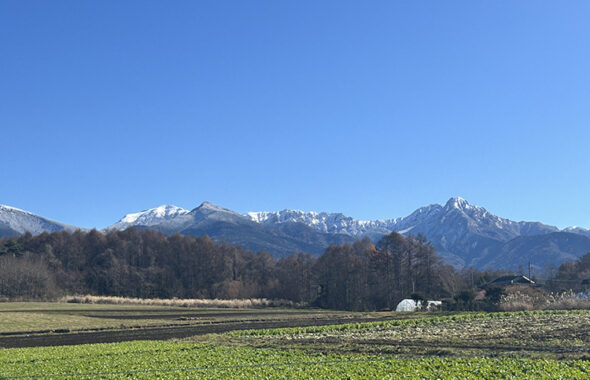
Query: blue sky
(367, 108)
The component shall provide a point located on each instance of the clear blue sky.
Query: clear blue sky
(368, 108)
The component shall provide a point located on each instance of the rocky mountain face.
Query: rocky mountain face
(463, 234)
(332, 223)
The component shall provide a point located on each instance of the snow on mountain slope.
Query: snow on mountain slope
(339, 223)
(205, 214)
(481, 221)
(456, 212)
(460, 231)
(578, 230)
(14, 221)
(325, 222)
(150, 217)
(222, 224)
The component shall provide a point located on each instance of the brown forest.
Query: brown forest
(149, 264)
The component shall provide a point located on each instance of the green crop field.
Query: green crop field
(163, 360)
(519, 345)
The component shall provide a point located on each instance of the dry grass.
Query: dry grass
(523, 298)
(191, 303)
(42, 321)
(567, 301)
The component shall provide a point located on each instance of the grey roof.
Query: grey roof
(509, 280)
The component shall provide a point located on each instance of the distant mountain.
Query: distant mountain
(539, 250)
(461, 232)
(222, 224)
(14, 222)
(429, 218)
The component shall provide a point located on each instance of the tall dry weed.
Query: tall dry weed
(190, 303)
(525, 298)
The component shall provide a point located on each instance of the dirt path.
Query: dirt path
(163, 333)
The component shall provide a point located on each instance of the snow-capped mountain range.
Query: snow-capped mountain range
(464, 234)
(424, 218)
(226, 225)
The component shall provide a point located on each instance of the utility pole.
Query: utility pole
(529, 269)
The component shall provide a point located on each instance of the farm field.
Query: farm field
(530, 345)
(547, 334)
(43, 324)
(172, 360)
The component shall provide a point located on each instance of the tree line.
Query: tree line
(572, 275)
(149, 264)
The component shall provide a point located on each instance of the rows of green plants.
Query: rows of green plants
(156, 359)
(426, 320)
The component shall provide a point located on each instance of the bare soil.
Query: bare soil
(177, 330)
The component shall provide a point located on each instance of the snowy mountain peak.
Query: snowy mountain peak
(17, 221)
(457, 203)
(149, 217)
(211, 207)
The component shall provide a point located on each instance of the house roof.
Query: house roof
(509, 280)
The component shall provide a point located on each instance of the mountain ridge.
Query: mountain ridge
(463, 234)
(327, 222)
